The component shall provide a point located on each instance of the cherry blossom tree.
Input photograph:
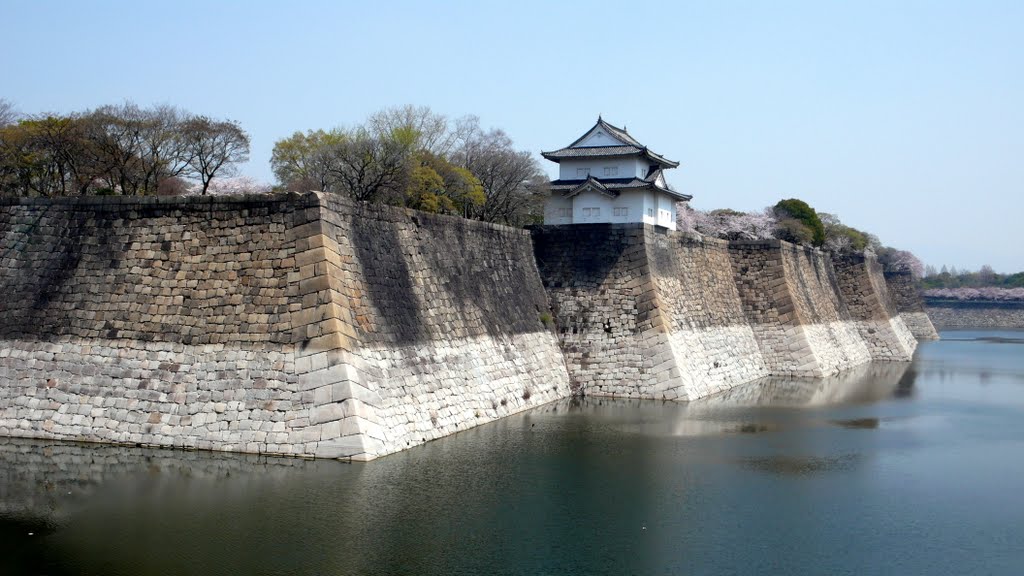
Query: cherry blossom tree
(231, 187)
(985, 293)
(727, 224)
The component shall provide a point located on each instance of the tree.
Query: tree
(8, 114)
(512, 181)
(412, 156)
(122, 149)
(798, 220)
(423, 129)
(46, 156)
(233, 186)
(370, 168)
(436, 185)
(727, 224)
(841, 238)
(896, 260)
(213, 147)
(136, 148)
(302, 162)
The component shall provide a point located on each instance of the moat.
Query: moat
(889, 469)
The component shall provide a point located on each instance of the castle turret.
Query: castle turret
(606, 175)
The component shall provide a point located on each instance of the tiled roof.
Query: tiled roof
(612, 185)
(592, 184)
(615, 131)
(609, 183)
(589, 151)
(629, 147)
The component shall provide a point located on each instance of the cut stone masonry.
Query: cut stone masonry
(310, 325)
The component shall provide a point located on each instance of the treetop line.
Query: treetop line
(407, 156)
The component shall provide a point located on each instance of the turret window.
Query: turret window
(582, 172)
(611, 171)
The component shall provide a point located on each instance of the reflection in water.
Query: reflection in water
(855, 423)
(886, 467)
(865, 383)
(800, 466)
(730, 412)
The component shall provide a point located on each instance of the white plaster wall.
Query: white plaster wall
(666, 211)
(633, 201)
(551, 209)
(627, 167)
(590, 199)
(650, 203)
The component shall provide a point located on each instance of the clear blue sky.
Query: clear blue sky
(906, 118)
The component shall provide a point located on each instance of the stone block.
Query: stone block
(345, 447)
(326, 413)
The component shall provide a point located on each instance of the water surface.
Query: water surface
(888, 469)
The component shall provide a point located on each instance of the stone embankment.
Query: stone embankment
(863, 288)
(792, 299)
(285, 325)
(907, 300)
(962, 314)
(646, 313)
(313, 326)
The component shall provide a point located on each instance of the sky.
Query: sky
(904, 118)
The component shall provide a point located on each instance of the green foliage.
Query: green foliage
(858, 240)
(793, 230)
(124, 148)
(800, 211)
(412, 157)
(727, 212)
(426, 191)
(983, 278)
(436, 185)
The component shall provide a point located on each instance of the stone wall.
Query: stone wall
(285, 325)
(442, 324)
(713, 346)
(863, 288)
(613, 337)
(959, 314)
(908, 303)
(643, 312)
(310, 325)
(144, 321)
(791, 298)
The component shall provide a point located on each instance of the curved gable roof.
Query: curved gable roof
(628, 146)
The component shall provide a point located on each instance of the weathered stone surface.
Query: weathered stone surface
(265, 324)
(948, 314)
(643, 312)
(310, 325)
(907, 301)
(792, 300)
(864, 289)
